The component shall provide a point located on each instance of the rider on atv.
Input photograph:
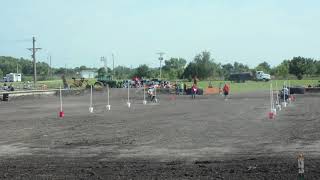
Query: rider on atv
(284, 93)
(151, 93)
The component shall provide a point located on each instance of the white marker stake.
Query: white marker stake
(61, 113)
(155, 93)
(108, 106)
(274, 110)
(271, 97)
(128, 103)
(289, 100)
(271, 113)
(278, 106)
(60, 99)
(144, 95)
(278, 103)
(284, 103)
(91, 108)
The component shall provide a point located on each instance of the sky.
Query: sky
(78, 33)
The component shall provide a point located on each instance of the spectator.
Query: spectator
(10, 88)
(181, 89)
(5, 87)
(226, 90)
(185, 87)
(194, 90)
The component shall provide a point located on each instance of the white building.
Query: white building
(88, 74)
(12, 77)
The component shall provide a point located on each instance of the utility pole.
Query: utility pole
(65, 69)
(160, 59)
(34, 50)
(50, 67)
(105, 63)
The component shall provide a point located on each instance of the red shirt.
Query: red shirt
(226, 88)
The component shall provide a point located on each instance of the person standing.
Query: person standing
(177, 88)
(226, 90)
(220, 89)
(286, 93)
(194, 90)
(181, 88)
(184, 88)
(5, 87)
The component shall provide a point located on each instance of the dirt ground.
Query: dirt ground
(179, 138)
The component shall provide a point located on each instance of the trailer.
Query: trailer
(12, 77)
(240, 77)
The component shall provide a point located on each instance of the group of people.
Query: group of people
(225, 90)
(7, 88)
(180, 88)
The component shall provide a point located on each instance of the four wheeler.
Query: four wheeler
(152, 95)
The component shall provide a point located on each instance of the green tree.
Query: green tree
(174, 63)
(297, 66)
(102, 72)
(81, 68)
(1, 74)
(239, 67)
(282, 70)
(318, 67)
(142, 71)
(264, 66)
(174, 67)
(202, 66)
(190, 71)
(122, 72)
(310, 67)
(227, 69)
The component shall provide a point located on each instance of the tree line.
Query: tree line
(203, 66)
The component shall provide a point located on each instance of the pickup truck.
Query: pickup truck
(261, 76)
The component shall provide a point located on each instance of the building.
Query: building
(12, 77)
(88, 74)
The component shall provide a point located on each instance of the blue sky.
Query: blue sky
(80, 32)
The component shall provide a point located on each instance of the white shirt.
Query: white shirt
(286, 91)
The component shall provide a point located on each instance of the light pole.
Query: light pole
(105, 63)
(160, 59)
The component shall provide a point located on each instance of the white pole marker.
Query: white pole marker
(108, 94)
(91, 108)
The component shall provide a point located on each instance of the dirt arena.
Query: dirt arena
(179, 138)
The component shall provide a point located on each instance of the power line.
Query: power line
(105, 63)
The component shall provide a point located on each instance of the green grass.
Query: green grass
(255, 86)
